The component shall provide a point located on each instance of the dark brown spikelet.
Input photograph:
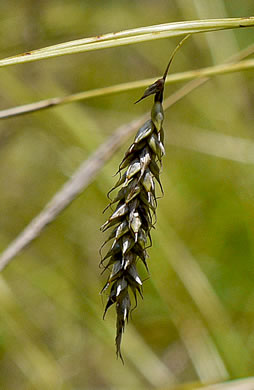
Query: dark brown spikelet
(135, 210)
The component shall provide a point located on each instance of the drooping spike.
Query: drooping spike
(134, 212)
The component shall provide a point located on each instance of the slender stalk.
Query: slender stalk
(174, 78)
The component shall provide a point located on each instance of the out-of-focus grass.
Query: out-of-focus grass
(196, 321)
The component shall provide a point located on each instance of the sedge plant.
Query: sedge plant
(135, 211)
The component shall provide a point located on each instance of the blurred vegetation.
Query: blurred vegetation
(195, 324)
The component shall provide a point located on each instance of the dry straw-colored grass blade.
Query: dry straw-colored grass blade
(211, 71)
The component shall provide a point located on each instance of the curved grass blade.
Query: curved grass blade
(127, 37)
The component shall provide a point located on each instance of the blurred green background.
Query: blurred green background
(195, 324)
